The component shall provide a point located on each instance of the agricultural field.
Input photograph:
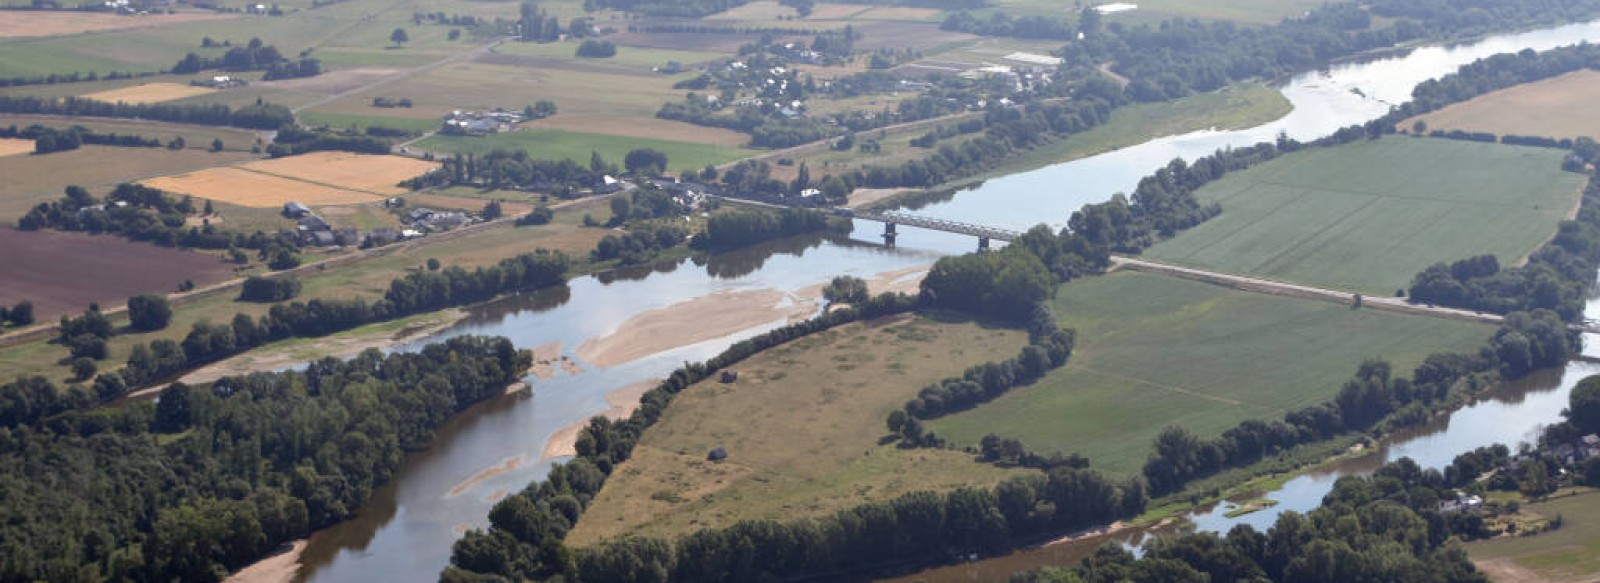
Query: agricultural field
(1368, 216)
(557, 144)
(194, 136)
(15, 146)
(1261, 12)
(149, 93)
(375, 174)
(20, 24)
(1154, 351)
(65, 272)
(254, 189)
(1570, 554)
(1542, 108)
(30, 180)
(801, 427)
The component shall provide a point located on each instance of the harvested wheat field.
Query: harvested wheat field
(25, 23)
(14, 146)
(364, 172)
(255, 189)
(149, 93)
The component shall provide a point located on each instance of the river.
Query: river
(404, 533)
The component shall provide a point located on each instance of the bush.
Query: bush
(149, 312)
(597, 49)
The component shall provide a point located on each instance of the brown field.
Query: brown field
(916, 36)
(712, 43)
(150, 93)
(14, 146)
(636, 127)
(26, 181)
(25, 23)
(64, 272)
(465, 203)
(361, 172)
(254, 189)
(760, 10)
(898, 13)
(1557, 107)
(333, 82)
(801, 426)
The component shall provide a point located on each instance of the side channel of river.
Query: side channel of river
(405, 532)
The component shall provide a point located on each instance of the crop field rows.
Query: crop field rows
(1367, 217)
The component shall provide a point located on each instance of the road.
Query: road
(1278, 288)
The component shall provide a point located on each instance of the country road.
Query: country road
(1278, 288)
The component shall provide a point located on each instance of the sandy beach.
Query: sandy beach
(698, 320)
(544, 358)
(505, 465)
(279, 568)
(622, 401)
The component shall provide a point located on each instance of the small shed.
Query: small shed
(717, 454)
(729, 376)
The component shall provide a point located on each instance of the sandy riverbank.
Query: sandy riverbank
(505, 465)
(704, 318)
(278, 568)
(622, 401)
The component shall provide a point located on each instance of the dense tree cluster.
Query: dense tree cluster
(508, 169)
(19, 314)
(1002, 24)
(268, 289)
(846, 289)
(254, 56)
(211, 478)
(142, 213)
(733, 229)
(641, 244)
(47, 140)
(596, 49)
(260, 116)
(527, 528)
(149, 312)
(292, 140)
(1525, 342)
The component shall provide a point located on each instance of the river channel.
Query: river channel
(405, 531)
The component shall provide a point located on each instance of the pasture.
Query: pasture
(20, 23)
(801, 427)
(1542, 108)
(65, 272)
(1368, 216)
(149, 93)
(15, 146)
(377, 174)
(1570, 554)
(557, 145)
(1154, 351)
(254, 189)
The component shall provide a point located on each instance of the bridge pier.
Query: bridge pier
(888, 234)
(983, 244)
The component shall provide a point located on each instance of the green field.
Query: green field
(631, 58)
(557, 144)
(1368, 216)
(1571, 553)
(801, 427)
(1154, 351)
(1243, 11)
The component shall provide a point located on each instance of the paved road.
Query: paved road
(1278, 288)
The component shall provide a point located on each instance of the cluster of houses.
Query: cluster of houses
(424, 220)
(475, 123)
(221, 82)
(314, 231)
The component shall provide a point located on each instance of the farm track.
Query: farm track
(46, 330)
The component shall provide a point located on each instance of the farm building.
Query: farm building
(295, 210)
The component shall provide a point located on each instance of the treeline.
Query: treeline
(505, 168)
(1048, 349)
(1556, 277)
(1383, 527)
(1495, 73)
(47, 139)
(1524, 343)
(641, 244)
(73, 77)
(527, 528)
(1002, 24)
(260, 115)
(142, 213)
(19, 314)
(292, 140)
(733, 229)
(210, 479)
(268, 289)
(253, 57)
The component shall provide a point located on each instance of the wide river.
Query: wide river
(404, 533)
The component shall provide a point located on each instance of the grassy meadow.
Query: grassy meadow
(802, 428)
(1368, 216)
(1570, 554)
(1154, 351)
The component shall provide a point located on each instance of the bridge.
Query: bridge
(891, 220)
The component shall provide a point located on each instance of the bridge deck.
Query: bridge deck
(945, 225)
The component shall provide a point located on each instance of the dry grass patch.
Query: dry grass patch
(14, 146)
(254, 189)
(26, 181)
(149, 93)
(1557, 107)
(801, 427)
(364, 172)
(898, 13)
(28, 23)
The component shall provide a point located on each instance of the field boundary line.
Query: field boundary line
(1177, 389)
